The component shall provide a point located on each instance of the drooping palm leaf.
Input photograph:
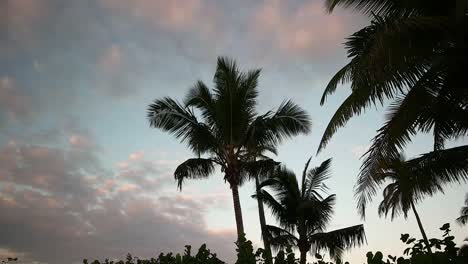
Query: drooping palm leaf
(339, 240)
(169, 115)
(196, 168)
(395, 67)
(262, 169)
(280, 237)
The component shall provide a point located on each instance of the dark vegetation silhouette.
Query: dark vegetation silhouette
(446, 252)
(218, 133)
(463, 219)
(408, 185)
(302, 209)
(411, 57)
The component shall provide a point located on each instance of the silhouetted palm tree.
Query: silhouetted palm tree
(407, 187)
(413, 56)
(463, 219)
(256, 152)
(303, 210)
(217, 132)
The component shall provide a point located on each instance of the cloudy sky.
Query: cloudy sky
(83, 176)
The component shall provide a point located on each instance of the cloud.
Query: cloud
(48, 196)
(299, 29)
(145, 173)
(13, 103)
(18, 21)
(176, 15)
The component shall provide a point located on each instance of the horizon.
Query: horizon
(82, 175)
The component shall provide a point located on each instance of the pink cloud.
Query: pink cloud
(176, 15)
(303, 30)
(128, 187)
(15, 104)
(81, 142)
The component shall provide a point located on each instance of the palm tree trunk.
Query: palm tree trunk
(261, 216)
(237, 210)
(426, 241)
(303, 258)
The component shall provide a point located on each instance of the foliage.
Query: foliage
(203, 256)
(411, 57)
(446, 251)
(245, 251)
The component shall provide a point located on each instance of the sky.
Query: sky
(82, 175)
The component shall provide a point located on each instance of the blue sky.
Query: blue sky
(83, 175)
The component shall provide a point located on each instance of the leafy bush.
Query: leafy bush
(446, 251)
(204, 256)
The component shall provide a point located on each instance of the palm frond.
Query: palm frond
(354, 104)
(275, 207)
(446, 166)
(236, 95)
(200, 97)
(339, 240)
(196, 168)
(304, 174)
(341, 77)
(168, 115)
(317, 213)
(315, 180)
(263, 169)
(280, 237)
(402, 8)
(402, 120)
(387, 47)
(287, 121)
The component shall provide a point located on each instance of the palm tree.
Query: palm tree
(216, 133)
(407, 187)
(303, 210)
(256, 152)
(463, 219)
(411, 55)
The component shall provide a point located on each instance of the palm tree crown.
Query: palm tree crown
(302, 208)
(215, 124)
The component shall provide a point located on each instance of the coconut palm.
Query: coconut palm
(214, 124)
(303, 213)
(463, 219)
(406, 188)
(255, 153)
(412, 56)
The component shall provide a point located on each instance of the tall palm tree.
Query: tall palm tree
(214, 124)
(463, 219)
(412, 55)
(256, 153)
(302, 210)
